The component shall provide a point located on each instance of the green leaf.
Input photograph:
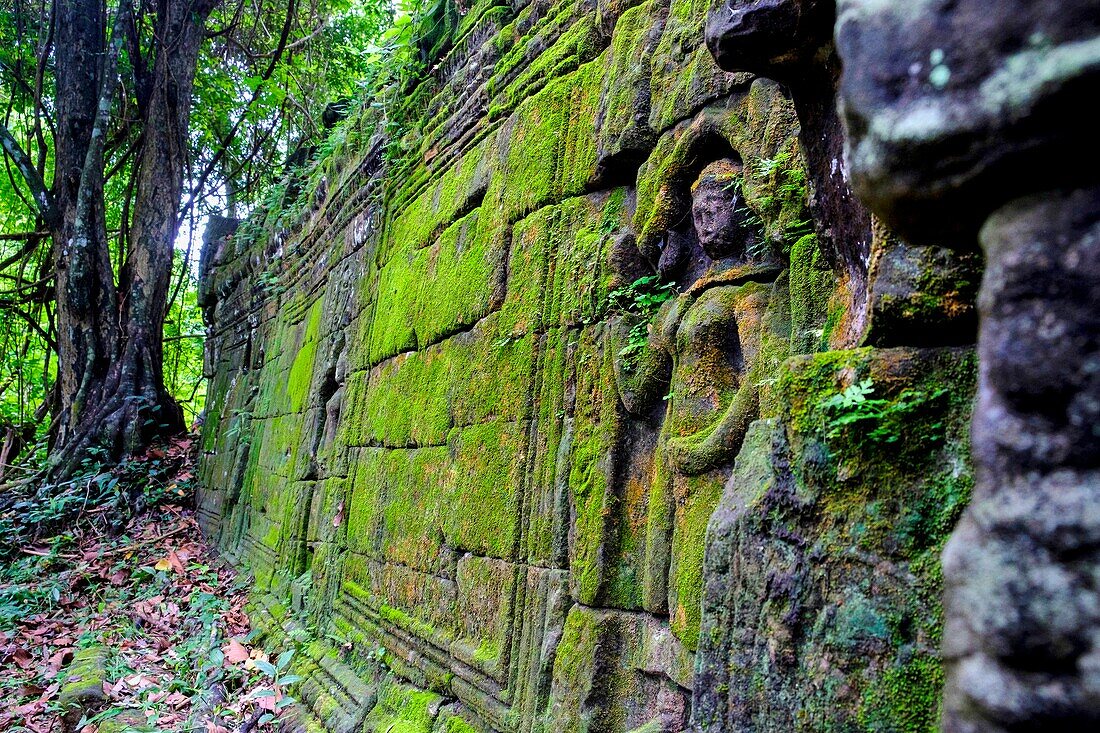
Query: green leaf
(266, 667)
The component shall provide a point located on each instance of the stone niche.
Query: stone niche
(593, 400)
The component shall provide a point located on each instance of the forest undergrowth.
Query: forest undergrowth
(109, 626)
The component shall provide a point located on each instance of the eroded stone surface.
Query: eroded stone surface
(81, 694)
(962, 131)
(954, 109)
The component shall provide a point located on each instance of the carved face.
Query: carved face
(767, 36)
(953, 108)
(718, 214)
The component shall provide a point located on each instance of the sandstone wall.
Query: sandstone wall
(430, 439)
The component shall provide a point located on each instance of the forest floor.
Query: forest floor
(139, 630)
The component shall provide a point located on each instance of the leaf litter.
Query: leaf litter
(171, 616)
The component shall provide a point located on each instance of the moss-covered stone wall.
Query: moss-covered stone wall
(472, 479)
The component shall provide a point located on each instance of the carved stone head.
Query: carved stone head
(718, 210)
(768, 37)
(953, 108)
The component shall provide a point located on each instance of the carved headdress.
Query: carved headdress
(722, 172)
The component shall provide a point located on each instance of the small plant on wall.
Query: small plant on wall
(640, 300)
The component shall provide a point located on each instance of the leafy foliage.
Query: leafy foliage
(789, 177)
(268, 77)
(641, 300)
(879, 420)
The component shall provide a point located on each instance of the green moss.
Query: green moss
(396, 505)
(423, 218)
(557, 275)
(812, 284)
(462, 279)
(402, 709)
(455, 724)
(680, 87)
(653, 726)
(896, 498)
(575, 658)
(660, 520)
(555, 43)
(83, 677)
(405, 401)
(417, 397)
(857, 623)
(414, 625)
(836, 318)
(301, 370)
(588, 482)
(530, 154)
(440, 290)
(597, 426)
(487, 651)
(905, 698)
(945, 377)
(577, 45)
(546, 516)
(688, 547)
(482, 494)
(393, 327)
(485, 590)
(580, 281)
(624, 99)
(534, 240)
(482, 12)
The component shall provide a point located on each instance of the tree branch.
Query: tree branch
(30, 242)
(277, 54)
(141, 70)
(30, 321)
(21, 237)
(41, 195)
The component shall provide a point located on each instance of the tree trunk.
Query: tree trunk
(86, 299)
(110, 350)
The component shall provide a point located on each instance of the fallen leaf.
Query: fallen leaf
(30, 690)
(22, 658)
(28, 708)
(58, 660)
(235, 652)
(175, 562)
(163, 565)
(267, 703)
